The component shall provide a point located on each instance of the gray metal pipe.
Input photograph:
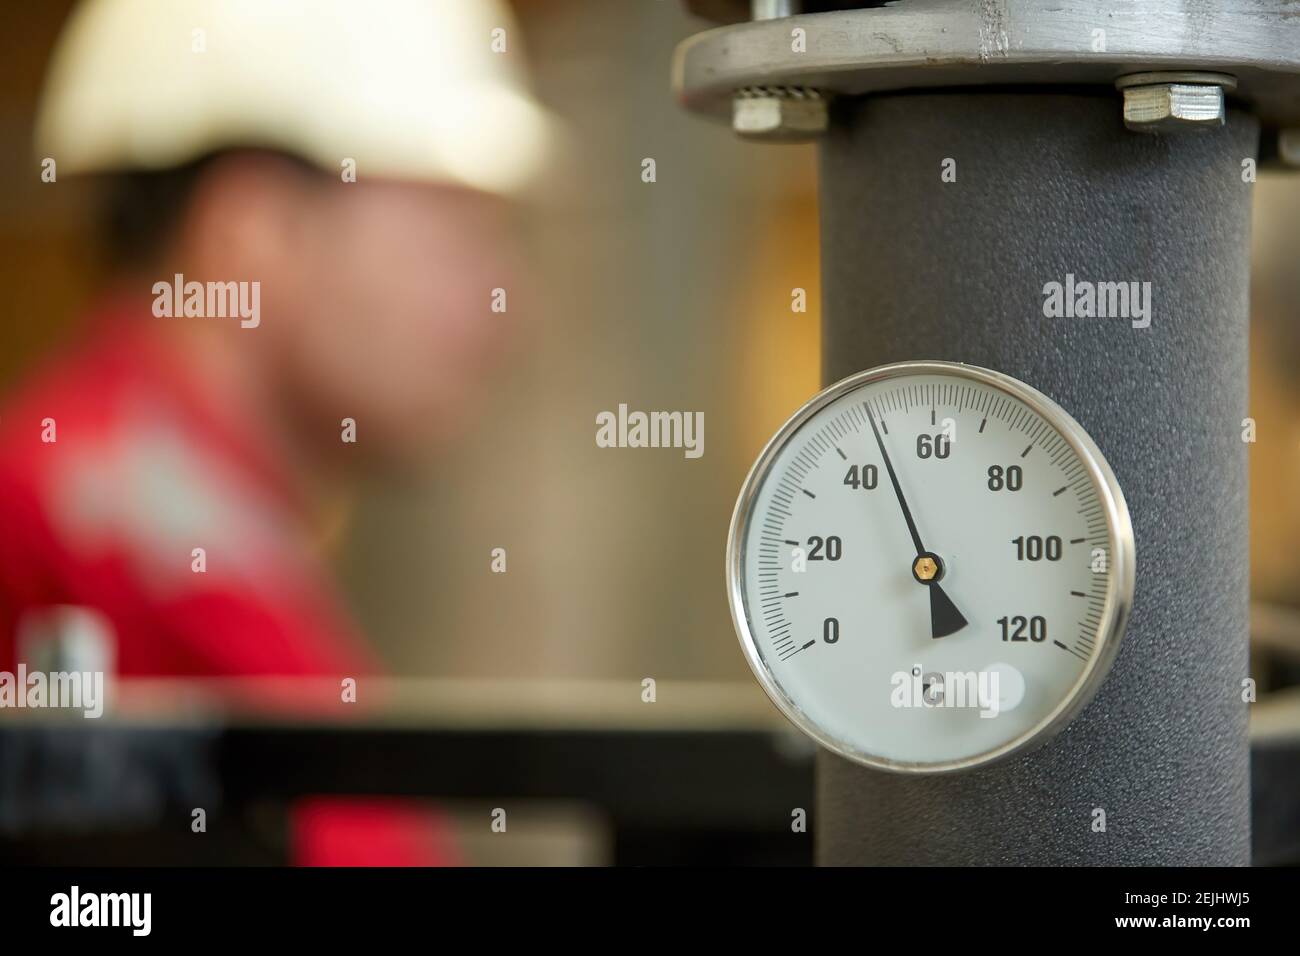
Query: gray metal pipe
(1050, 184)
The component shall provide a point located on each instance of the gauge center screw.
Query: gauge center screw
(927, 568)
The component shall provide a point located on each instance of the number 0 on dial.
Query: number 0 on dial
(930, 567)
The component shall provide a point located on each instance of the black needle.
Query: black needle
(893, 477)
(945, 619)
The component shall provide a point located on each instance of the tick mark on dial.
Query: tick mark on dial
(1070, 650)
(789, 654)
(1060, 490)
(841, 453)
(872, 418)
(1026, 451)
(808, 493)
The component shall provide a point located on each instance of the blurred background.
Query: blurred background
(674, 294)
(664, 295)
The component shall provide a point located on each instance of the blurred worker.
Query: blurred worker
(306, 226)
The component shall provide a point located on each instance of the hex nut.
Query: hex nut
(779, 114)
(1174, 107)
(1288, 147)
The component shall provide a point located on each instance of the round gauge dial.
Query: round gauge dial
(930, 567)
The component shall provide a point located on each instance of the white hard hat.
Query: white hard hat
(411, 89)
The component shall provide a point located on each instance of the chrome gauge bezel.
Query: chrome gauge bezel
(1115, 610)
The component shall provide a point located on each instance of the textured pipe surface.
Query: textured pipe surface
(914, 268)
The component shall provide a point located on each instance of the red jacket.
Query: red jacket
(114, 468)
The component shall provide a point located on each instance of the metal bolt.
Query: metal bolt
(773, 9)
(779, 114)
(1288, 147)
(925, 568)
(1173, 102)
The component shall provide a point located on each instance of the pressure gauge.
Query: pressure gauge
(930, 567)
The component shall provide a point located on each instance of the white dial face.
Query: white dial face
(930, 567)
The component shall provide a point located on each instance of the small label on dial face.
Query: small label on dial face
(924, 570)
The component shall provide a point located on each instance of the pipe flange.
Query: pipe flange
(951, 43)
